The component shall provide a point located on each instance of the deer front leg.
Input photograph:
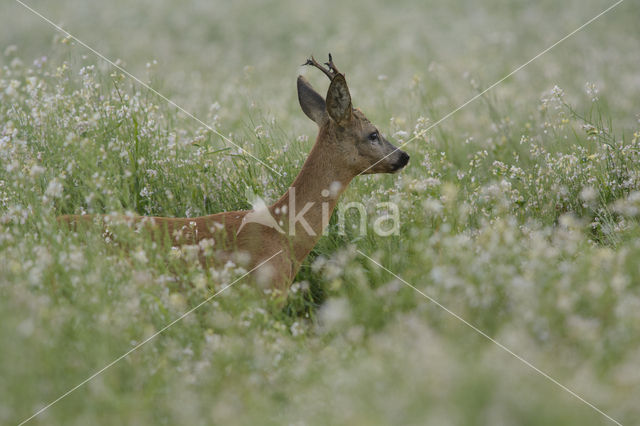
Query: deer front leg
(275, 276)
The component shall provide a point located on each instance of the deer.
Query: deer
(278, 237)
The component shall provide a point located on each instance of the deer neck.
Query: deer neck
(304, 210)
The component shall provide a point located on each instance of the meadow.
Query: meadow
(519, 213)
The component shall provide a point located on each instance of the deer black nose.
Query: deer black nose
(404, 159)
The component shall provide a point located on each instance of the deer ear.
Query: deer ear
(311, 102)
(339, 100)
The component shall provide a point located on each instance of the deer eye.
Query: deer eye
(374, 137)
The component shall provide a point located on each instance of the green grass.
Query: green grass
(519, 213)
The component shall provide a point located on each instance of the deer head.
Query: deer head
(352, 142)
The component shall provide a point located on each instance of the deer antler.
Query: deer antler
(332, 66)
(330, 72)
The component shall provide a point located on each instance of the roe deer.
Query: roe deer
(347, 145)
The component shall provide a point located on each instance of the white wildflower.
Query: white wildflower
(432, 206)
(296, 329)
(36, 170)
(140, 256)
(54, 189)
(400, 134)
(592, 91)
(557, 92)
(588, 194)
(335, 312)
(177, 301)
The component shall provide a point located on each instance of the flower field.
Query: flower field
(519, 214)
